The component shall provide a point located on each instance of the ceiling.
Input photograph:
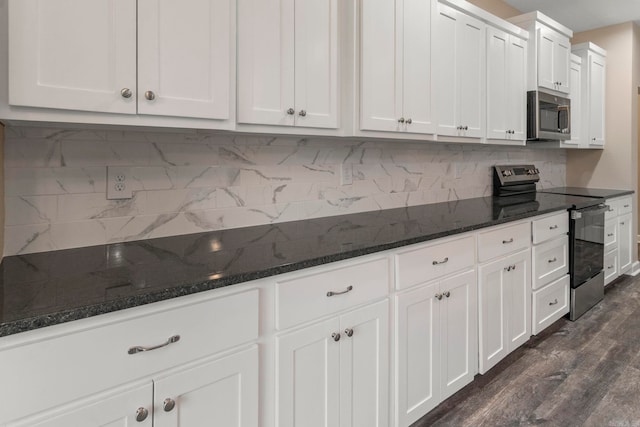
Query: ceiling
(582, 15)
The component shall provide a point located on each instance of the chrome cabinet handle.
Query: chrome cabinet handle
(505, 242)
(349, 332)
(553, 227)
(302, 113)
(444, 261)
(409, 121)
(465, 128)
(401, 120)
(447, 294)
(140, 349)
(438, 296)
(554, 302)
(335, 336)
(150, 95)
(609, 234)
(141, 414)
(610, 267)
(332, 293)
(168, 404)
(126, 92)
(625, 206)
(552, 260)
(291, 111)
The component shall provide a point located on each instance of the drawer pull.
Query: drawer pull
(504, 242)
(349, 332)
(139, 349)
(609, 234)
(554, 302)
(332, 293)
(553, 227)
(335, 336)
(552, 260)
(625, 206)
(444, 261)
(622, 223)
(610, 267)
(610, 210)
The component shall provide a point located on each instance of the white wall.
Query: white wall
(188, 182)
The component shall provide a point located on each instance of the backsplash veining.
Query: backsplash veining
(193, 181)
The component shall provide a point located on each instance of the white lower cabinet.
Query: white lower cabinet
(335, 372)
(437, 346)
(549, 304)
(220, 391)
(625, 243)
(504, 295)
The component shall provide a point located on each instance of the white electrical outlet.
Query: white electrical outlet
(118, 183)
(346, 174)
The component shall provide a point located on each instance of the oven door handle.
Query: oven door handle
(590, 211)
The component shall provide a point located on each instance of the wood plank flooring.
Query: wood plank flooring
(583, 373)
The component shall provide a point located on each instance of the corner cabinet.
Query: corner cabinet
(288, 63)
(459, 70)
(395, 66)
(506, 86)
(123, 57)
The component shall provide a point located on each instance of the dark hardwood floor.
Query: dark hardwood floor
(583, 373)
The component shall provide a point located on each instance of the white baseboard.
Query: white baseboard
(635, 268)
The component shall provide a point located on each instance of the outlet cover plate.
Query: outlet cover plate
(119, 183)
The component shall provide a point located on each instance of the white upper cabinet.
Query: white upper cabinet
(395, 67)
(549, 52)
(591, 124)
(184, 58)
(82, 56)
(506, 86)
(575, 93)
(459, 72)
(288, 63)
(73, 55)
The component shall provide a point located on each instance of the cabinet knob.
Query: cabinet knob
(126, 92)
(302, 113)
(401, 120)
(335, 336)
(465, 128)
(447, 294)
(291, 111)
(349, 332)
(150, 95)
(141, 414)
(409, 121)
(438, 296)
(168, 404)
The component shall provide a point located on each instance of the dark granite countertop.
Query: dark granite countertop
(42, 289)
(588, 192)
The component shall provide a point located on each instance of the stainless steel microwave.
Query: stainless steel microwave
(548, 116)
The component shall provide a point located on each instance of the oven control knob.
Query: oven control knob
(505, 173)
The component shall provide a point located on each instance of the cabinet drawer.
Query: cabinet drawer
(550, 227)
(426, 263)
(329, 291)
(610, 235)
(550, 304)
(624, 206)
(610, 266)
(550, 261)
(612, 212)
(98, 358)
(503, 241)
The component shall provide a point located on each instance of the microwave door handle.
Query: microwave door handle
(563, 119)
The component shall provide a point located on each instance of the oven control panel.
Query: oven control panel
(516, 174)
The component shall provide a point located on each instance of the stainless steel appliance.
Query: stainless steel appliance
(548, 116)
(586, 234)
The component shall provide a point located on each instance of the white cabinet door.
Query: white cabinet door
(546, 42)
(364, 367)
(380, 94)
(506, 86)
(288, 62)
(185, 54)
(575, 92)
(415, 59)
(73, 55)
(596, 99)
(460, 75)
(116, 408)
(308, 375)
(625, 243)
(266, 62)
(459, 331)
(418, 331)
(217, 392)
(518, 299)
(561, 63)
(504, 295)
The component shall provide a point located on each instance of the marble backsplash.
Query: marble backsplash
(193, 181)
